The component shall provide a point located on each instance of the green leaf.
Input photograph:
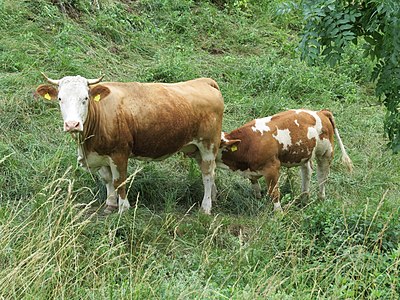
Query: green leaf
(369, 40)
(327, 50)
(345, 20)
(335, 31)
(345, 27)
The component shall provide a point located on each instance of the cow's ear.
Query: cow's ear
(48, 92)
(99, 92)
(230, 145)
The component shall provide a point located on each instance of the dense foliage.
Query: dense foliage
(56, 244)
(332, 24)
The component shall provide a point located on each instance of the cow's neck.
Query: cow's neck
(90, 129)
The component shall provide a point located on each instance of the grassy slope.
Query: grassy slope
(52, 243)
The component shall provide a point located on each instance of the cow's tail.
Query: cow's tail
(346, 161)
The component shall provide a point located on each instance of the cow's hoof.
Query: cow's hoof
(206, 211)
(110, 209)
(123, 206)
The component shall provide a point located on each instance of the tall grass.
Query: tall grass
(54, 240)
(54, 246)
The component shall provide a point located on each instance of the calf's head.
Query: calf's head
(228, 143)
(227, 149)
(73, 94)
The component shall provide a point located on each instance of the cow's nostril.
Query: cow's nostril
(71, 125)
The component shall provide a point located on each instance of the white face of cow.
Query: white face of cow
(73, 96)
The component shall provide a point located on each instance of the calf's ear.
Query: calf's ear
(230, 145)
(99, 92)
(48, 92)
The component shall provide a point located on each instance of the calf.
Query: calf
(151, 121)
(290, 138)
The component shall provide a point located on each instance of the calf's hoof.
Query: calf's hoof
(303, 200)
(277, 208)
(257, 195)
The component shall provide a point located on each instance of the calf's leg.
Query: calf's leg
(322, 175)
(271, 175)
(256, 186)
(306, 172)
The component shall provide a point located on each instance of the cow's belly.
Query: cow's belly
(301, 162)
(249, 174)
(245, 173)
(147, 158)
(165, 136)
(189, 149)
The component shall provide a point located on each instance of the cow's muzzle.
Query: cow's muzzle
(72, 126)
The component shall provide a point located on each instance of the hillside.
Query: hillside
(53, 242)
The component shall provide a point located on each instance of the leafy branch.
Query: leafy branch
(333, 24)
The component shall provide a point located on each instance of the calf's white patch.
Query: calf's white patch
(223, 138)
(284, 138)
(314, 131)
(261, 125)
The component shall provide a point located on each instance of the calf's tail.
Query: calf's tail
(346, 161)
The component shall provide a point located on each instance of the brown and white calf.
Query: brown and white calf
(151, 121)
(290, 138)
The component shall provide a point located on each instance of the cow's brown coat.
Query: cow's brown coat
(151, 121)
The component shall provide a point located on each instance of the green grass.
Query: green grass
(54, 244)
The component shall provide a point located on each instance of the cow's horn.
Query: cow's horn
(52, 81)
(94, 81)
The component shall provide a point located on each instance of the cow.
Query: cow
(290, 138)
(114, 121)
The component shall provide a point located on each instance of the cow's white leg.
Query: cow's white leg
(208, 187)
(207, 167)
(214, 191)
(123, 205)
(306, 172)
(119, 170)
(111, 202)
(322, 174)
(256, 187)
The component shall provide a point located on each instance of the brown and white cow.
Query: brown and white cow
(151, 121)
(290, 138)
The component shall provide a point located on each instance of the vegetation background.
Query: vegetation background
(54, 244)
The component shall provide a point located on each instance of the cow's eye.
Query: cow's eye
(59, 99)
